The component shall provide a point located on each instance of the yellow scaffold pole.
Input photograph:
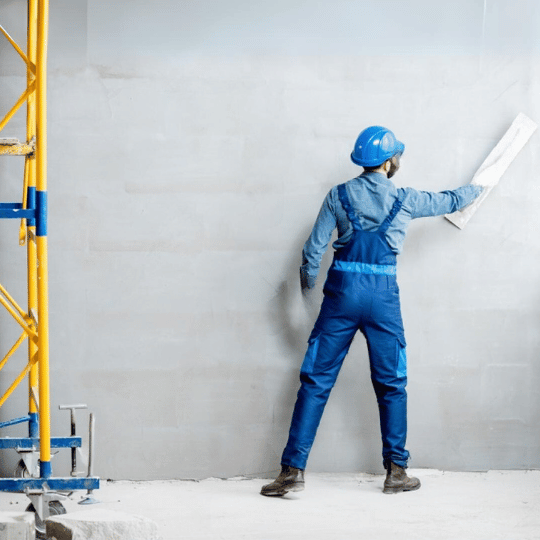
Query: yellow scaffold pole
(41, 239)
(29, 197)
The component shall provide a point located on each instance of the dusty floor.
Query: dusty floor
(461, 506)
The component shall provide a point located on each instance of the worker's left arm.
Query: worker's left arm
(317, 242)
(426, 203)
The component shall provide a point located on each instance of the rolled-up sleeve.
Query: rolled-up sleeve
(317, 243)
(426, 203)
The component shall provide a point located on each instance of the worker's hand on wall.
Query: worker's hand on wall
(307, 282)
(307, 286)
(304, 284)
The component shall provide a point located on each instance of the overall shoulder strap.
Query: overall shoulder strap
(346, 203)
(393, 212)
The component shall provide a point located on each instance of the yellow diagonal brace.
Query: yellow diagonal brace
(17, 105)
(12, 301)
(16, 316)
(30, 65)
(17, 381)
(12, 350)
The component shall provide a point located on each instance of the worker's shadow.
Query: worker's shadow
(292, 313)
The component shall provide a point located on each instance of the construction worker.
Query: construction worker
(361, 293)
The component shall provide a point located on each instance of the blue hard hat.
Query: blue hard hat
(374, 146)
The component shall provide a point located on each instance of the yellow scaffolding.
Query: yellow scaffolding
(34, 321)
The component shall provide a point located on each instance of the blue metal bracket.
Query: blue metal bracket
(20, 485)
(27, 442)
(15, 211)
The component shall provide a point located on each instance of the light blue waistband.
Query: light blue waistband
(362, 268)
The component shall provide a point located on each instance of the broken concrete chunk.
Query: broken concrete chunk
(100, 524)
(17, 526)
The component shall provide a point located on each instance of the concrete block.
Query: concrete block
(17, 526)
(100, 524)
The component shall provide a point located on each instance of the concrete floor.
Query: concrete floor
(465, 506)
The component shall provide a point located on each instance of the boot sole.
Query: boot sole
(400, 489)
(284, 491)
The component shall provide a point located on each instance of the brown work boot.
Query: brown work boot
(397, 480)
(289, 479)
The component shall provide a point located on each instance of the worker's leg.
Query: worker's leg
(387, 353)
(328, 344)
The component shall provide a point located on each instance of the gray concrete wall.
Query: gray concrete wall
(191, 145)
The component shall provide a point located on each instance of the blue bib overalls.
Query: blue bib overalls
(360, 293)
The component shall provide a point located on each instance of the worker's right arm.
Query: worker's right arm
(426, 203)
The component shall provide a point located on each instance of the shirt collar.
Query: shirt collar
(376, 178)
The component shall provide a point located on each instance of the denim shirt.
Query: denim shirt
(372, 196)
